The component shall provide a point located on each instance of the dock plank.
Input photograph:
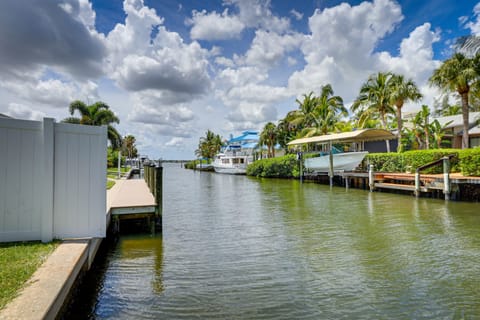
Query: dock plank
(130, 194)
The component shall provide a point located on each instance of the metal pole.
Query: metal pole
(330, 171)
(446, 177)
(119, 161)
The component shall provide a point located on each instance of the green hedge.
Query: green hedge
(279, 167)
(470, 162)
(465, 161)
(410, 160)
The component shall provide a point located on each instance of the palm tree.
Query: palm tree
(286, 130)
(402, 91)
(468, 45)
(458, 74)
(97, 114)
(268, 137)
(305, 115)
(425, 114)
(328, 111)
(129, 146)
(375, 98)
(438, 132)
(417, 131)
(209, 145)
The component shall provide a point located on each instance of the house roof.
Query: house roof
(457, 120)
(353, 136)
(474, 130)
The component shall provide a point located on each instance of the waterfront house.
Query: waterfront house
(454, 129)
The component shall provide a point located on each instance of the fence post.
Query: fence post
(446, 177)
(48, 132)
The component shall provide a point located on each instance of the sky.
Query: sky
(171, 70)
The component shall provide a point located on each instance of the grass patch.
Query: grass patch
(110, 184)
(18, 261)
(112, 172)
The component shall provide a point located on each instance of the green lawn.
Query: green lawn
(112, 172)
(110, 184)
(18, 261)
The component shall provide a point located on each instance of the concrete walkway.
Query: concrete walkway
(44, 294)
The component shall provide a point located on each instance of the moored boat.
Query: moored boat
(237, 154)
(231, 164)
(346, 161)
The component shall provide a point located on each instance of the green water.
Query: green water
(235, 247)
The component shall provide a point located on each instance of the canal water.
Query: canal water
(235, 247)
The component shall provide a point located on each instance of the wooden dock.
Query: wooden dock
(431, 185)
(130, 199)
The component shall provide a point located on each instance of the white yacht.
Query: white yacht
(237, 155)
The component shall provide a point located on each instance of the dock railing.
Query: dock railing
(446, 174)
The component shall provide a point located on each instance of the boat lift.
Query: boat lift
(357, 136)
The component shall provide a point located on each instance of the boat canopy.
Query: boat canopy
(250, 136)
(346, 137)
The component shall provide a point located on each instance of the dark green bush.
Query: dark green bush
(470, 162)
(280, 167)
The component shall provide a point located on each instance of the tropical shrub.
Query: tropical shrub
(112, 158)
(470, 162)
(280, 167)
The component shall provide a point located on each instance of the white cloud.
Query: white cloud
(214, 26)
(225, 62)
(257, 14)
(474, 26)
(340, 48)
(61, 41)
(20, 111)
(164, 63)
(268, 48)
(51, 92)
(416, 55)
(297, 15)
(175, 142)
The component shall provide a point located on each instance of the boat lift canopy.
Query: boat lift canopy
(346, 137)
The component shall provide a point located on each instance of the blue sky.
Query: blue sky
(173, 69)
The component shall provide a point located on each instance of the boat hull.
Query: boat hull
(230, 169)
(347, 161)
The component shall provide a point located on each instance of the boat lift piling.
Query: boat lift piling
(330, 169)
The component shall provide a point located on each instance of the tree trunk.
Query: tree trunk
(399, 127)
(465, 115)
(384, 124)
(427, 135)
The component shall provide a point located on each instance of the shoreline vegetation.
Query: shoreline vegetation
(466, 162)
(19, 260)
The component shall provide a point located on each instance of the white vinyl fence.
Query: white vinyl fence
(52, 180)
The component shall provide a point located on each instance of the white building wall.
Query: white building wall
(52, 180)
